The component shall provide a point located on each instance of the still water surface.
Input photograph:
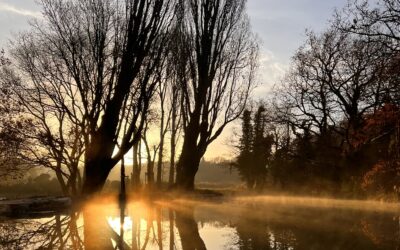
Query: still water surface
(240, 223)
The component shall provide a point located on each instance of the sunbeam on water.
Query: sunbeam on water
(261, 222)
(115, 223)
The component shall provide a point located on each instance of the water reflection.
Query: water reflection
(57, 232)
(189, 225)
(188, 230)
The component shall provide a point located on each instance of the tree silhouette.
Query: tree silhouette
(94, 61)
(221, 55)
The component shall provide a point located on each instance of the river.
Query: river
(261, 222)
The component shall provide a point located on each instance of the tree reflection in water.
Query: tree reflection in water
(150, 226)
(184, 226)
(310, 228)
(188, 230)
(57, 232)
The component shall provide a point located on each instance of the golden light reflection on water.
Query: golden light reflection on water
(225, 225)
(115, 223)
(262, 222)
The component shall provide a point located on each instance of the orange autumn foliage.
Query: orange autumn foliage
(384, 121)
(382, 128)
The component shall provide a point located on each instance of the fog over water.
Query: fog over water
(261, 222)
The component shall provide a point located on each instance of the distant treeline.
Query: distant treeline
(332, 125)
(211, 174)
(40, 185)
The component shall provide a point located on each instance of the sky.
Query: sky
(280, 25)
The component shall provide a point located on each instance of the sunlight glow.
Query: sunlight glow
(115, 223)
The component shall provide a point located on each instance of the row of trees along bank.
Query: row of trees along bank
(83, 85)
(332, 123)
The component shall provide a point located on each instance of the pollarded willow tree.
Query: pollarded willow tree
(221, 57)
(94, 62)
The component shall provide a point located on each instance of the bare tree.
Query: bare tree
(96, 60)
(151, 154)
(303, 98)
(176, 76)
(137, 165)
(176, 122)
(379, 21)
(221, 55)
(165, 118)
(44, 137)
(58, 231)
(11, 167)
(335, 79)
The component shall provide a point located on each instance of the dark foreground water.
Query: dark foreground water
(240, 223)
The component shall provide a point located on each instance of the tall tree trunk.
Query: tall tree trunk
(159, 166)
(150, 173)
(189, 161)
(61, 181)
(171, 178)
(136, 168)
(73, 180)
(122, 194)
(191, 154)
(150, 163)
(99, 152)
(161, 149)
(187, 168)
(140, 162)
(96, 173)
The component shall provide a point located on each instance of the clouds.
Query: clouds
(5, 7)
(281, 26)
(271, 70)
(14, 16)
